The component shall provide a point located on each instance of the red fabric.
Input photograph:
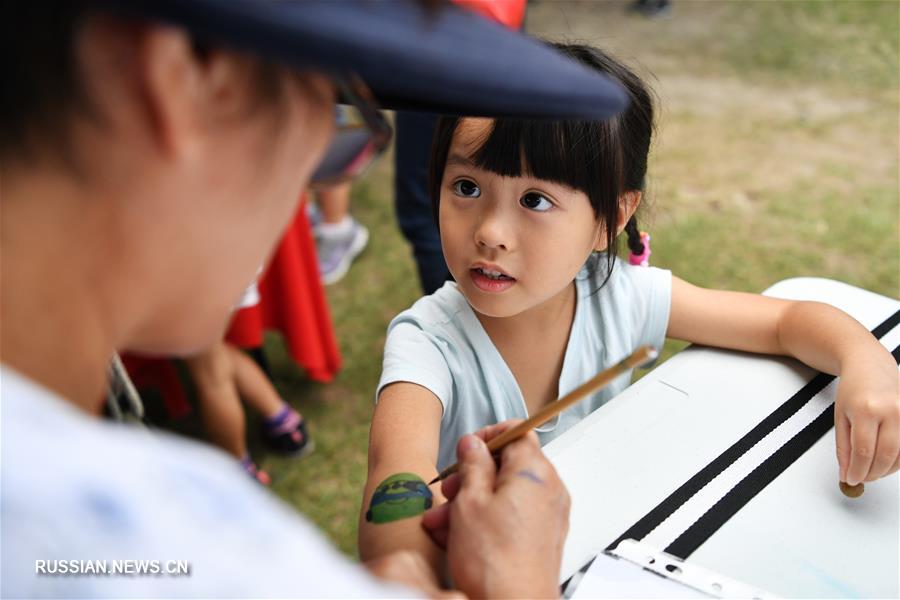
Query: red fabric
(507, 12)
(293, 302)
(161, 374)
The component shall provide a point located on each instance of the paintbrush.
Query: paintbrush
(641, 356)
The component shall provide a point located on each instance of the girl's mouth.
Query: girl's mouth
(491, 281)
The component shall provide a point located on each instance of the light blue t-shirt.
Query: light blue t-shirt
(90, 507)
(440, 344)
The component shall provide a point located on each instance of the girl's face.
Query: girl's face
(511, 243)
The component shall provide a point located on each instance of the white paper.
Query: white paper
(611, 577)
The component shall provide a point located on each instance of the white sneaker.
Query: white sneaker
(337, 251)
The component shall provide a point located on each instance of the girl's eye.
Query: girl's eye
(536, 201)
(467, 189)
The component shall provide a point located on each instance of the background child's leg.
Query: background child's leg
(339, 237)
(282, 427)
(220, 406)
(253, 385)
(334, 204)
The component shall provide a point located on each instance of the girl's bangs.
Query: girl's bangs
(563, 152)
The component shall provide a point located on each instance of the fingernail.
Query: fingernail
(469, 443)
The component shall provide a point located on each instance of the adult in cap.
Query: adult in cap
(152, 152)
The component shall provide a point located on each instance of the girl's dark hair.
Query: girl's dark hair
(603, 159)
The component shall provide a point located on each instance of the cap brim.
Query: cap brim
(439, 59)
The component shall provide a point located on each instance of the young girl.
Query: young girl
(529, 213)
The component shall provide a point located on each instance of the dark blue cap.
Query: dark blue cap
(413, 55)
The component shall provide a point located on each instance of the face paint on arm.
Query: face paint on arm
(398, 497)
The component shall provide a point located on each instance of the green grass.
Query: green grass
(835, 42)
(777, 157)
(822, 42)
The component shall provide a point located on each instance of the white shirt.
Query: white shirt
(440, 344)
(76, 488)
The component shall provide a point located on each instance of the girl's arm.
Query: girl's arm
(867, 410)
(404, 438)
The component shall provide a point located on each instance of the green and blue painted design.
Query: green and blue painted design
(398, 497)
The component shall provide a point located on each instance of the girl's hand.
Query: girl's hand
(867, 422)
(867, 410)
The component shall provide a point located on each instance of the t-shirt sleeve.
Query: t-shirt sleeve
(651, 302)
(413, 355)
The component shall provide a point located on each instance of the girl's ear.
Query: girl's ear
(628, 204)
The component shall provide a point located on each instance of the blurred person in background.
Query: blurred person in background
(412, 150)
(339, 237)
(651, 8)
(224, 376)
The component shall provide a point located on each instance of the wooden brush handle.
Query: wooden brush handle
(637, 358)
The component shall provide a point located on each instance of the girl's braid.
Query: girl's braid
(634, 237)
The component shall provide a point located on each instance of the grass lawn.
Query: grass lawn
(776, 156)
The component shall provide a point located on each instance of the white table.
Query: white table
(798, 536)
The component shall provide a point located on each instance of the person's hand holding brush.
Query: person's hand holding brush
(504, 524)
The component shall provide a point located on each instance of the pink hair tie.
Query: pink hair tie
(642, 259)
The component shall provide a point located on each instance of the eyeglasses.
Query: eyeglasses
(361, 135)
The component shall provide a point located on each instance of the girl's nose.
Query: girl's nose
(492, 231)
